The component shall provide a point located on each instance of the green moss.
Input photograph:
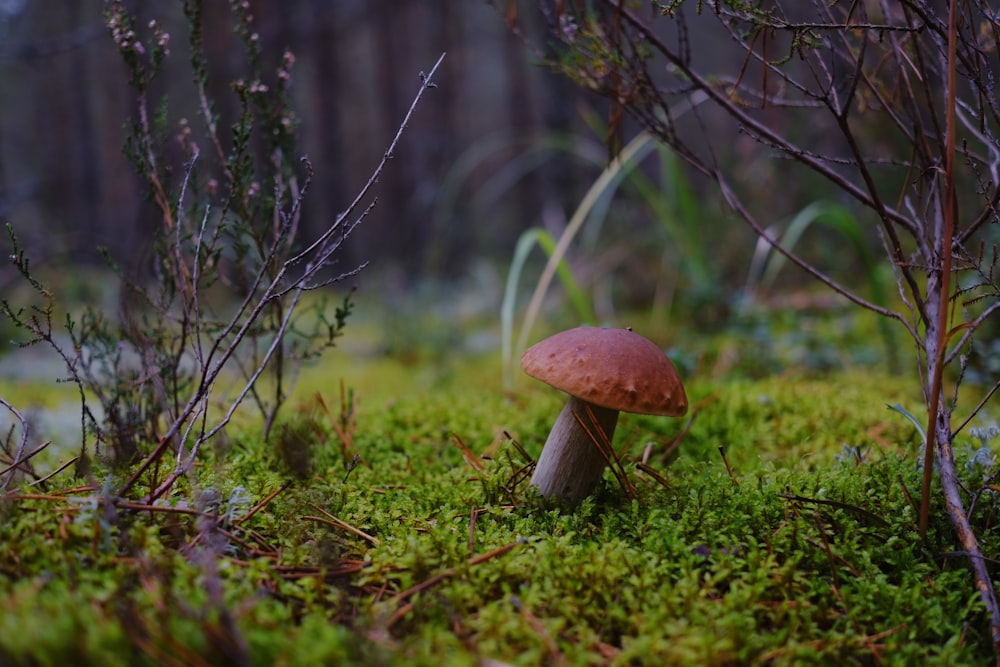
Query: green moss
(811, 558)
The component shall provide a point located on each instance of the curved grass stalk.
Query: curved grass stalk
(593, 207)
(581, 304)
(609, 179)
(675, 206)
(768, 263)
(533, 151)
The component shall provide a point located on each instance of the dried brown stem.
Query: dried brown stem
(452, 571)
(315, 258)
(331, 520)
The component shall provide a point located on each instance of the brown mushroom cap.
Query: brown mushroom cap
(613, 368)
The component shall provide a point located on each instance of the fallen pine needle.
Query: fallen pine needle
(467, 453)
(452, 571)
(540, 630)
(262, 504)
(729, 469)
(331, 520)
(655, 474)
(55, 472)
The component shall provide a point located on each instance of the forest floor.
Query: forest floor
(388, 521)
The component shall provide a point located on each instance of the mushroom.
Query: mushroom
(604, 371)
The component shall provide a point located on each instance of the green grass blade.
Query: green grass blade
(839, 219)
(608, 180)
(522, 250)
(532, 152)
(675, 206)
(912, 418)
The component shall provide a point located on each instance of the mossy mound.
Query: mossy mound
(401, 533)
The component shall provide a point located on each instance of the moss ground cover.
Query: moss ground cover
(402, 530)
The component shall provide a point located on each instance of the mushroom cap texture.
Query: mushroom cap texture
(613, 368)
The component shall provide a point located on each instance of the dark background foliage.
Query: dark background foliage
(67, 189)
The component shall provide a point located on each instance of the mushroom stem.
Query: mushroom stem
(571, 464)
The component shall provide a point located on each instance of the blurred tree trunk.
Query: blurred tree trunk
(78, 176)
(393, 29)
(446, 248)
(65, 182)
(326, 96)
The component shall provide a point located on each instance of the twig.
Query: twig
(55, 472)
(540, 630)
(331, 520)
(976, 410)
(20, 460)
(967, 536)
(467, 453)
(452, 571)
(729, 469)
(262, 504)
(937, 353)
(22, 445)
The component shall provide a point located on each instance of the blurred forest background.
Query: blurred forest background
(67, 189)
(502, 145)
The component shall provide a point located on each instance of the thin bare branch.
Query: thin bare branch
(317, 255)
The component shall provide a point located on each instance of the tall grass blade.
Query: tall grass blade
(912, 418)
(532, 152)
(607, 182)
(840, 220)
(577, 298)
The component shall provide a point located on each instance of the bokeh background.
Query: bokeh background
(501, 146)
(66, 187)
